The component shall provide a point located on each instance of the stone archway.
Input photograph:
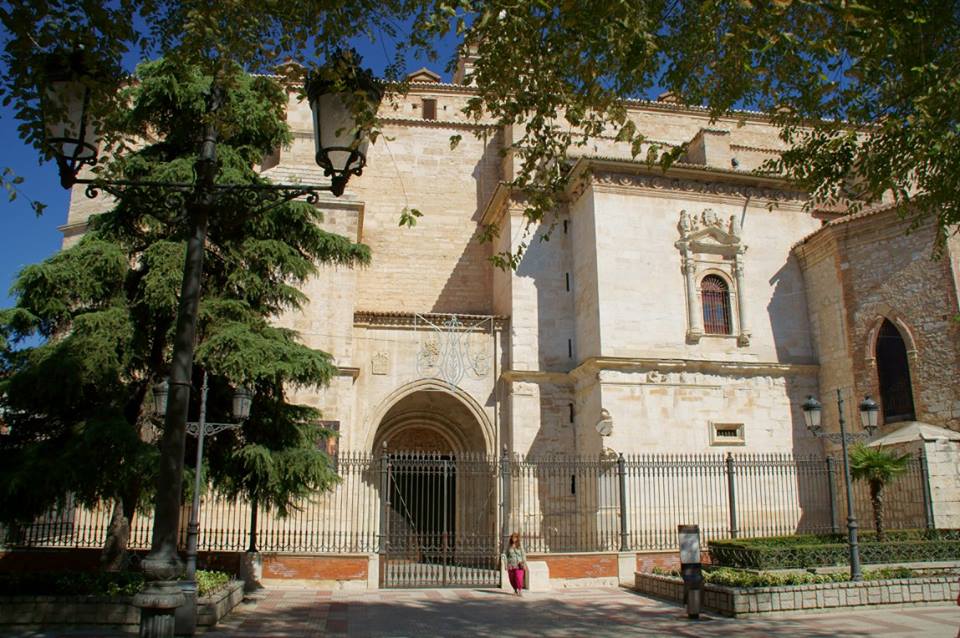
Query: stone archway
(432, 417)
(439, 491)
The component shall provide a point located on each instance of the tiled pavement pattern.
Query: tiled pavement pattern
(591, 613)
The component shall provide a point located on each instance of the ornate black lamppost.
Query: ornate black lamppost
(869, 410)
(72, 140)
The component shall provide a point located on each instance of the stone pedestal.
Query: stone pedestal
(186, 614)
(157, 603)
(538, 576)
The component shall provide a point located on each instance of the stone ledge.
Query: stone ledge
(103, 610)
(756, 601)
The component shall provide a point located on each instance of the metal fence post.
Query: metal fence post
(832, 486)
(384, 502)
(504, 497)
(732, 494)
(622, 475)
(927, 496)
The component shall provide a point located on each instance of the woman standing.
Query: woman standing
(516, 563)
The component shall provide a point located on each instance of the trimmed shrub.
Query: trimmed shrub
(803, 551)
(111, 584)
(730, 577)
(71, 584)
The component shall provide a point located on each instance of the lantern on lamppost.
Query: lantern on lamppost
(70, 132)
(869, 412)
(335, 96)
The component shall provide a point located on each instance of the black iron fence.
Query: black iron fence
(557, 504)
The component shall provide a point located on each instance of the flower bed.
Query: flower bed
(803, 551)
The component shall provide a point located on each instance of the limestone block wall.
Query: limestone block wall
(641, 298)
(668, 411)
(539, 295)
(541, 418)
(829, 326)
(943, 461)
(437, 266)
(586, 302)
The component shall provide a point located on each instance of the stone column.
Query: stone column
(694, 313)
(743, 338)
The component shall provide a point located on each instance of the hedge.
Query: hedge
(93, 583)
(730, 577)
(803, 551)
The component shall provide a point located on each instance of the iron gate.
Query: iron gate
(438, 517)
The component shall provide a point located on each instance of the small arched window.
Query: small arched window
(715, 296)
(893, 370)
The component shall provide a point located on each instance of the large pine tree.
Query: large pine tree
(92, 329)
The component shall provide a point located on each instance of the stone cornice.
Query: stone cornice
(657, 370)
(400, 319)
(499, 203)
(537, 376)
(74, 228)
(348, 371)
(757, 149)
(454, 124)
(594, 365)
(702, 181)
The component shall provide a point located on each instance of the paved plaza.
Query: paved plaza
(593, 613)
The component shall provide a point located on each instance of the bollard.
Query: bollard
(690, 568)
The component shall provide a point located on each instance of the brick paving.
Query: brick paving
(597, 613)
(594, 613)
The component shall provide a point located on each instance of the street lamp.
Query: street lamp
(71, 139)
(242, 399)
(869, 410)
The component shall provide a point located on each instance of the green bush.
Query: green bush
(210, 582)
(730, 577)
(71, 584)
(803, 551)
(110, 584)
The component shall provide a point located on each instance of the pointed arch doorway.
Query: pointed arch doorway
(438, 493)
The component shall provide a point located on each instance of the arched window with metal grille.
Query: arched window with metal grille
(715, 298)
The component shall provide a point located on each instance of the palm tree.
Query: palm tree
(878, 467)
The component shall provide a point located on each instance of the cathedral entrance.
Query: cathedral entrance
(438, 495)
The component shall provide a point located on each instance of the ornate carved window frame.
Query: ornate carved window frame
(710, 245)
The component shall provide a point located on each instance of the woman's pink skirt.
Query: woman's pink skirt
(516, 577)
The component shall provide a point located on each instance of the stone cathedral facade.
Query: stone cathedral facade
(690, 311)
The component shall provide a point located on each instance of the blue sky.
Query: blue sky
(26, 239)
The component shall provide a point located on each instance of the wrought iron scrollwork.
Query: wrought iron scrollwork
(447, 350)
(174, 196)
(263, 197)
(210, 429)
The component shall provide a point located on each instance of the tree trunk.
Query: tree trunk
(114, 557)
(876, 497)
(254, 506)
